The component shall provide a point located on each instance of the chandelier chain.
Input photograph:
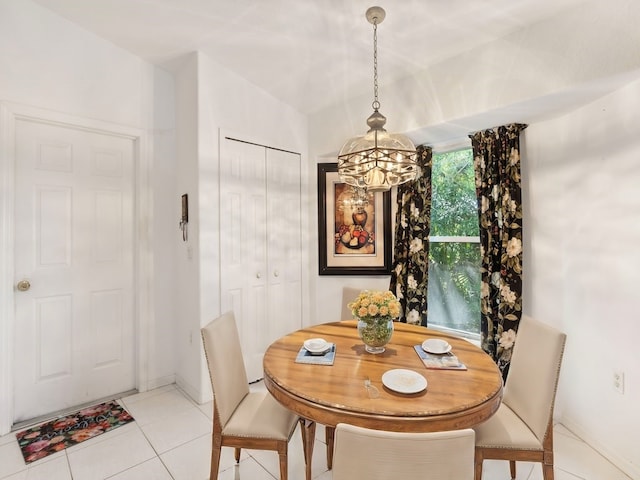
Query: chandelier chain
(376, 103)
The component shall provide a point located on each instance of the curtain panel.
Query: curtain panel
(497, 171)
(410, 270)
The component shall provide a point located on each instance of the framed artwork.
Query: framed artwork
(354, 227)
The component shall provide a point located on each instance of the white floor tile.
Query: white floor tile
(191, 461)
(320, 433)
(103, 459)
(153, 408)
(324, 476)
(575, 456)
(258, 386)
(558, 474)
(559, 429)
(136, 397)
(248, 469)
(207, 409)
(11, 460)
(499, 470)
(177, 429)
(269, 459)
(150, 470)
(8, 438)
(55, 469)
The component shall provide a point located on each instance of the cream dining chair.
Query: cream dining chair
(377, 455)
(349, 294)
(522, 428)
(241, 419)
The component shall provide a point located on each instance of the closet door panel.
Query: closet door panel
(284, 247)
(243, 244)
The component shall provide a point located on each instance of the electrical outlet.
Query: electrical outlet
(618, 382)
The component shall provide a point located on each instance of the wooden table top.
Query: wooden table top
(336, 393)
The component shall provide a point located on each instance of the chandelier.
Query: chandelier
(377, 160)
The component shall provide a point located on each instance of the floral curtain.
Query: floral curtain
(497, 170)
(410, 270)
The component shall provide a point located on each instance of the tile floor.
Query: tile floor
(171, 438)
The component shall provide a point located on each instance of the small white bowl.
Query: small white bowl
(436, 345)
(316, 345)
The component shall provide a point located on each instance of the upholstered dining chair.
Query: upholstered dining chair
(241, 419)
(349, 294)
(522, 428)
(377, 455)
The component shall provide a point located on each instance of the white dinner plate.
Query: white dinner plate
(404, 381)
(437, 346)
(317, 345)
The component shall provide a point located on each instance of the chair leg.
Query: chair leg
(237, 454)
(478, 466)
(308, 429)
(283, 462)
(547, 457)
(512, 469)
(329, 433)
(216, 448)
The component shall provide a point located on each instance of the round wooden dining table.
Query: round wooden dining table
(336, 393)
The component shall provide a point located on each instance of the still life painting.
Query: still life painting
(354, 226)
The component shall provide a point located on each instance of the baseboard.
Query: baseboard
(161, 382)
(193, 392)
(627, 467)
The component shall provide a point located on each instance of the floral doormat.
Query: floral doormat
(50, 437)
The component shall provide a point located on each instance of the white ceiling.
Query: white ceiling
(296, 49)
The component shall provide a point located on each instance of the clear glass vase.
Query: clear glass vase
(375, 333)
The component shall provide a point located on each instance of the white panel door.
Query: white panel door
(74, 335)
(243, 243)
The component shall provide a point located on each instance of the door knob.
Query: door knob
(23, 285)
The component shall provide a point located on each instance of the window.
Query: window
(454, 252)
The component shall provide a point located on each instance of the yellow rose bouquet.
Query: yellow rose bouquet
(375, 311)
(374, 304)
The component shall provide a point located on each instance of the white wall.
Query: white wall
(524, 77)
(210, 98)
(186, 343)
(555, 64)
(166, 213)
(49, 63)
(582, 269)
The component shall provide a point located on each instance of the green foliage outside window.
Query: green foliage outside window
(454, 266)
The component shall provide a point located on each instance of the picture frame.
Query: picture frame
(341, 225)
